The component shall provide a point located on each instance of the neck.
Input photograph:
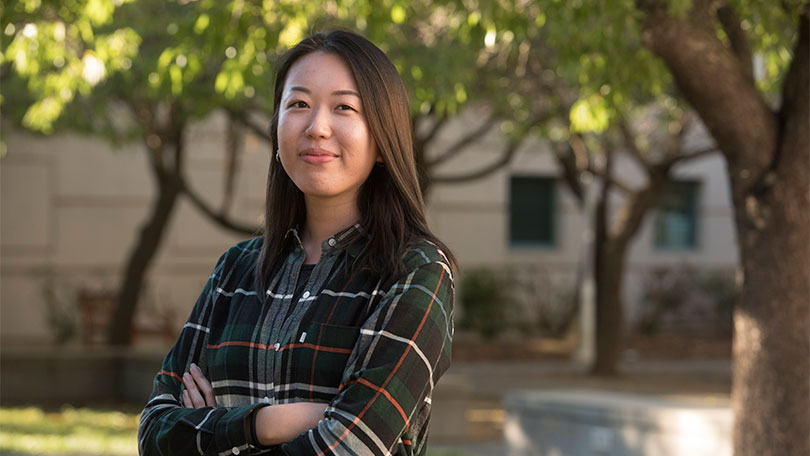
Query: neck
(325, 218)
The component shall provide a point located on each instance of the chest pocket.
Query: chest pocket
(320, 356)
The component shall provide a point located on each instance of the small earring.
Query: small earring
(278, 158)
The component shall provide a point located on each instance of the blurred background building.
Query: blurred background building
(71, 210)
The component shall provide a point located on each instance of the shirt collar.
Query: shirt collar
(341, 240)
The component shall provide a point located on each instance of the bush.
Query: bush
(688, 299)
(486, 300)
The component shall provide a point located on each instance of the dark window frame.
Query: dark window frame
(660, 240)
(551, 202)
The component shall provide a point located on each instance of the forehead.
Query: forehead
(320, 71)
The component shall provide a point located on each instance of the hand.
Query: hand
(198, 392)
(277, 424)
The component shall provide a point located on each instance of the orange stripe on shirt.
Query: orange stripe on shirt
(320, 332)
(171, 374)
(390, 398)
(317, 348)
(390, 376)
(240, 343)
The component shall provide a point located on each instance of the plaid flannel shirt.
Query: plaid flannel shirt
(372, 348)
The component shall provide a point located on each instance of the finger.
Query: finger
(197, 400)
(204, 385)
(186, 399)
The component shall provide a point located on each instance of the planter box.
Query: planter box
(585, 423)
(77, 376)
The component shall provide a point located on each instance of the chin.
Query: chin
(319, 192)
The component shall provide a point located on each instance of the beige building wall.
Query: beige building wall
(473, 217)
(71, 208)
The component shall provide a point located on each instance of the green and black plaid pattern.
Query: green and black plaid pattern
(371, 348)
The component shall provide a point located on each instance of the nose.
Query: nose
(319, 124)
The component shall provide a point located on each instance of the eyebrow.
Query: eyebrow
(336, 92)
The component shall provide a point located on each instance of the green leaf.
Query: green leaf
(203, 20)
(176, 75)
(99, 11)
(589, 115)
(398, 14)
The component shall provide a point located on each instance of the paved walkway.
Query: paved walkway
(468, 403)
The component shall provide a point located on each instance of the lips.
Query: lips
(317, 156)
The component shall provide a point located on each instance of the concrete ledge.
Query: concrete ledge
(51, 377)
(586, 422)
(77, 376)
(448, 412)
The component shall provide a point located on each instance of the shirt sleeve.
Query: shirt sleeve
(168, 428)
(402, 350)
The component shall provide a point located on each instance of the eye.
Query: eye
(297, 104)
(345, 107)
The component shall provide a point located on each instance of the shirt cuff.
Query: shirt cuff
(231, 437)
(253, 439)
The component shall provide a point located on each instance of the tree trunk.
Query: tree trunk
(771, 386)
(609, 309)
(768, 157)
(609, 264)
(771, 338)
(609, 268)
(140, 258)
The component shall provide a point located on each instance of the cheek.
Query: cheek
(364, 143)
(286, 129)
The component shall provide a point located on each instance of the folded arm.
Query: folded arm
(403, 349)
(167, 427)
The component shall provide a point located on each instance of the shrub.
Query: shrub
(486, 301)
(688, 298)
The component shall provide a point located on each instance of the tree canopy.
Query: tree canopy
(211, 54)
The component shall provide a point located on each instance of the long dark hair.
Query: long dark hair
(390, 201)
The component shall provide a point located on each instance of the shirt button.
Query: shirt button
(266, 400)
(305, 295)
(235, 450)
(276, 347)
(332, 242)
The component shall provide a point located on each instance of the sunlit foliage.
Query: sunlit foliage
(70, 431)
(81, 431)
(211, 54)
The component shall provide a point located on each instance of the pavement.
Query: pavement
(468, 407)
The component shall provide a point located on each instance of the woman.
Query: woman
(340, 350)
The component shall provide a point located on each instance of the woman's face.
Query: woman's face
(324, 141)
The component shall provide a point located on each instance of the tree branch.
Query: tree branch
(630, 143)
(793, 115)
(221, 219)
(421, 141)
(233, 148)
(739, 41)
(176, 134)
(506, 157)
(460, 145)
(626, 189)
(795, 88)
(691, 155)
(245, 120)
(713, 81)
(568, 163)
(144, 115)
(629, 217)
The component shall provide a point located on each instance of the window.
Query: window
(676, 216)
(531, 212)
